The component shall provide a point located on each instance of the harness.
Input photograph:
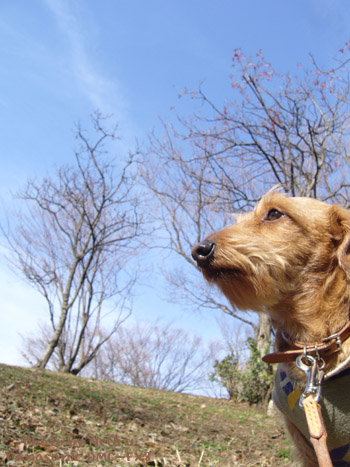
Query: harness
(304, 409)
(334, 405)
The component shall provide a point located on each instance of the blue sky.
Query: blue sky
(63, 59)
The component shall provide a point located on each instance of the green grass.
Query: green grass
(285, 453)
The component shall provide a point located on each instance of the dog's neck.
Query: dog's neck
(317, 327)
(314, 313)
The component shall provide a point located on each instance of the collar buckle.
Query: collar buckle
(337, 338)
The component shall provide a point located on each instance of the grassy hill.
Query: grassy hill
(51, 419)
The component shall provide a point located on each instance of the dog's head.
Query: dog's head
(282, 251)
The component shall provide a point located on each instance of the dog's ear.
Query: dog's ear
(340, 234)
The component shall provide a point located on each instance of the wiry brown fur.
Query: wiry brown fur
(297, 268)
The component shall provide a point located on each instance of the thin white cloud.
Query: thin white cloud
(101, 91)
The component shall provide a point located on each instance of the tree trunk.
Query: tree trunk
(263, 334)
(53, 341)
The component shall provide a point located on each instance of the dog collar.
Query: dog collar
(326, 347)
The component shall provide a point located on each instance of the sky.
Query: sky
(63, 59)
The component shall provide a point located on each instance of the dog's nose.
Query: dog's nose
(203, 252)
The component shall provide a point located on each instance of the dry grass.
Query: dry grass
(51, 419)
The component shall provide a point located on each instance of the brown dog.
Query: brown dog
(290, 257)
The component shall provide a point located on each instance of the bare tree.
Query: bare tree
(154, 356)
(72, 240)
(286, 129)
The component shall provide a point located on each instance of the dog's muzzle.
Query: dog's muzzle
(203, 253)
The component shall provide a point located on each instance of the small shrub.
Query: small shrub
(251, 383)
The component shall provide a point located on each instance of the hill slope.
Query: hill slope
(50, 419)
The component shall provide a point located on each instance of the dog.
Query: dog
(290, 257)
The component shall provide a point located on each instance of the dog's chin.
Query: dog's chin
(222, 274)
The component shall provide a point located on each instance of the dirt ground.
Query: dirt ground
(51, 419)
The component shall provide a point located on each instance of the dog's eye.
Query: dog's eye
(273, 215)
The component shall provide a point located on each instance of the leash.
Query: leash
(317, 430)
(313, 368)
